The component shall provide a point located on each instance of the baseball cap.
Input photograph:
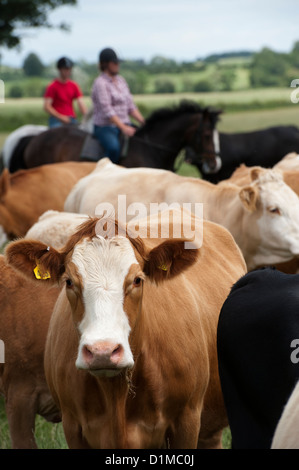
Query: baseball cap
(108, 55)
(64, 63)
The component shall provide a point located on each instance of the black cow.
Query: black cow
(263, 147)
(258, 368)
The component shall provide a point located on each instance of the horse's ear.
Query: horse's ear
(214, 113)
(4, 182)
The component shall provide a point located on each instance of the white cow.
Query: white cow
(289, 162)
(54, 228)
(286, 433)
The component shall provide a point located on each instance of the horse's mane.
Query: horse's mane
(166, 113)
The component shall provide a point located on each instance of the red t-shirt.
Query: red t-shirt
(63, 95)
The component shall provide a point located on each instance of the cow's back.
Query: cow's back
(27, 194)
(257, 324)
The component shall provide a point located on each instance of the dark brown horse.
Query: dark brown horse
(156, 144)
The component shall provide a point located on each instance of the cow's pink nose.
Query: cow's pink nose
(102, 355)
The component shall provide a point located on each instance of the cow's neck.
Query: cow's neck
(222, 205)
(115, 392)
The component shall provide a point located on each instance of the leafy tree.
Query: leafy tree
(33, 66)
(16, 14)
(16, 91)
(203, 85)
(159, 64)
(164, 86)
(268, 68)
(227, 79)
(294, 55)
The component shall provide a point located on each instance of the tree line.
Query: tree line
(217, 72)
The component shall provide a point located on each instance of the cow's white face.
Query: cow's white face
(98, 272)
(279, 223)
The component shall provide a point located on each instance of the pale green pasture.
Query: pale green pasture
(24, 105)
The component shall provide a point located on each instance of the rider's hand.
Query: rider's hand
(128, 130)
(65, 119)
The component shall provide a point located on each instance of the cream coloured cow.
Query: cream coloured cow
(55, 227)
(286, 432)
(131, 355)
(243, 175)
(289, 162)
(262, 215)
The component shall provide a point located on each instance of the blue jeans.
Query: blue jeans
(108, 136)
(54, 122)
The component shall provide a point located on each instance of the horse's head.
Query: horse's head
(204, 151)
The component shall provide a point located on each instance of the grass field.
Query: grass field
(51, 436)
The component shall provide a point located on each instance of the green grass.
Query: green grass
(48, 435)
(51, 436)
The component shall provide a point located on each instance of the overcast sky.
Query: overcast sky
(178, 29)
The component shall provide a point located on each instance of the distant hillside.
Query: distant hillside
(228, 55)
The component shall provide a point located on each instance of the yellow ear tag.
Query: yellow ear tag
(163, 267)
(38, 275)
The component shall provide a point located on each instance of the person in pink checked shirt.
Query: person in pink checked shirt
(112, 105)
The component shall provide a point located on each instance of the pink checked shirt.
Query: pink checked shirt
(111, 98)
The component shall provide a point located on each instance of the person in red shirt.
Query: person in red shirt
(60, 95)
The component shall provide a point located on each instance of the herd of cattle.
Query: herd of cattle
(141, 342)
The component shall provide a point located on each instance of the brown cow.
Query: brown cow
(25, 312)
(131, 350)
(26, 194)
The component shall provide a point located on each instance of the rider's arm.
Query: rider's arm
(135, 113)
(81, 105)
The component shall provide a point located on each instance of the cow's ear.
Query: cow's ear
(255, 173)
(4, 182)
(169, 259)
(249, 197)
(35, 260)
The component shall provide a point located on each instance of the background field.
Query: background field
(243, 111)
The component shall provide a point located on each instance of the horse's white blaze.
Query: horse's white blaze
(103, 266)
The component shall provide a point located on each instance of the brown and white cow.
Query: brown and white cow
(131, 351)
(262, 215)
(27, 194)
(25, 310)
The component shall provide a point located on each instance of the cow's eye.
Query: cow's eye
(274, 210)
(69, 283)
(137, 281)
